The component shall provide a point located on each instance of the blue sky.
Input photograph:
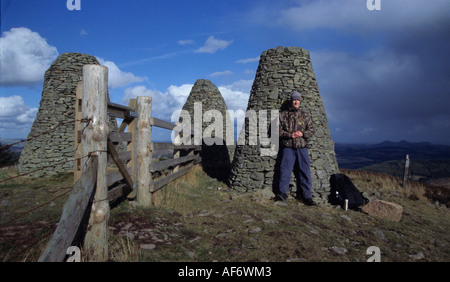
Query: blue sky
(382, 74)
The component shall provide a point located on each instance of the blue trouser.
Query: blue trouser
(303, 173)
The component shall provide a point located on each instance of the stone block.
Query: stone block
(384, 209)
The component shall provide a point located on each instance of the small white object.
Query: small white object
(346, 204)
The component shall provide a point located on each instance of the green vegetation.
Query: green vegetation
(198, 218)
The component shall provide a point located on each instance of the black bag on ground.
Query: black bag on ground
(342, 188)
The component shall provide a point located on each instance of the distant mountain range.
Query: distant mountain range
(427, 160)
(16, 148)
(354, 156)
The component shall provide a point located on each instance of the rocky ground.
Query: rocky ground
(200, 219)
(209, 222)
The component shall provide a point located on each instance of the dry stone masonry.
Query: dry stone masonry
(280, 72)
(57, 107)
(205, 98)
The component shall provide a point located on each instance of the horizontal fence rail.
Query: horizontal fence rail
(72, 215)
(119, 164)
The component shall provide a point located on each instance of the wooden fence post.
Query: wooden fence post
(177, 153)
(405, 173)
(94, 140)
(143, 153)
(131, 146)
(78, 150)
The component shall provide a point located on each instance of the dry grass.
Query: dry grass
(197, 218)
(175, 194)
(211, 223)
(29, 211)
(377, 184)
(122, 248)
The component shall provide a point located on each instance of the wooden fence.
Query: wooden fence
(109, 165)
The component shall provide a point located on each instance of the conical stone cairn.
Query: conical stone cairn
(52, 135)
(209, 118)
(280, 72)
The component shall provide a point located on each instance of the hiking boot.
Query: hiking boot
(309, 202)
(281, 197)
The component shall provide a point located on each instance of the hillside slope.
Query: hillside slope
(198, 218)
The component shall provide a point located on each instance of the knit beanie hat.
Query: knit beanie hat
(296, 96)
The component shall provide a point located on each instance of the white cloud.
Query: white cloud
(179, 93)
(83, 32)
(221, 73)
(24, 57)
(118, 78)
(186, 42)
(16, 117)
(164, 103)
(248, 60)
(212, 45)
(236, 94)
(14, 106)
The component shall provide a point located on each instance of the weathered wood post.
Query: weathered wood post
(131, 146)
(94, 140)
(78, 150)
(405, 173)
(143, 152)
(176, 152)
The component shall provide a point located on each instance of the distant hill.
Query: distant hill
(428, 161)
(16, 148)
(418, 169)
(354, 156)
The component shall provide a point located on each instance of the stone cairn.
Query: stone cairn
(280, 72)
(53, 148)
(216, 158)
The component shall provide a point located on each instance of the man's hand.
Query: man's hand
(297, 134)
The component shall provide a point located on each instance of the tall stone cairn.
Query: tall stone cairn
(216, 159)
(280, 72)
(52, 147)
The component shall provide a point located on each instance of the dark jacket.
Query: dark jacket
(293, 120)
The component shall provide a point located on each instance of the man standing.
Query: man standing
(296, 128)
